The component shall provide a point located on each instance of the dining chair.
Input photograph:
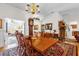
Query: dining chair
(30, 51)
(21, 44)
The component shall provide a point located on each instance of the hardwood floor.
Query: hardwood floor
(77, 48)
(8, 47)
(2, 49)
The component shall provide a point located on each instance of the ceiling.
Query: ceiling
(47, 8)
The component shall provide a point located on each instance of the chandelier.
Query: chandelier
(32, 8)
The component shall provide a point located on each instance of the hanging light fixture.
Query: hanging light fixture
(32, 8)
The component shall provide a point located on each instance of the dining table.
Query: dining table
(41, 44)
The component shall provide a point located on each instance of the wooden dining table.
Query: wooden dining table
(42, 44)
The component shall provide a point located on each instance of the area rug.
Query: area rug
(62, 49)
(59, 49)
(10, 52)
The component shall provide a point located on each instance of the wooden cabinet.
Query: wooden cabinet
(74, 33)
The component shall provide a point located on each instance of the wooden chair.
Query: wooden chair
(30, 51)
(25, 46)
(21, 43)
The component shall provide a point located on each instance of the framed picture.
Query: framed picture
(43, 27)
(74, 26)
(0, 23)
(36, 27)
(48, 26)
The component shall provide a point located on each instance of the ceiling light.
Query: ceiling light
(32, 8)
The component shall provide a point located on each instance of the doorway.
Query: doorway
(11, 25)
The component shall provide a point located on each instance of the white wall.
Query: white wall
(71, 16)
(37, 22)
(2, 37)
(30, 16)
(7, 11)
(53, 18)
